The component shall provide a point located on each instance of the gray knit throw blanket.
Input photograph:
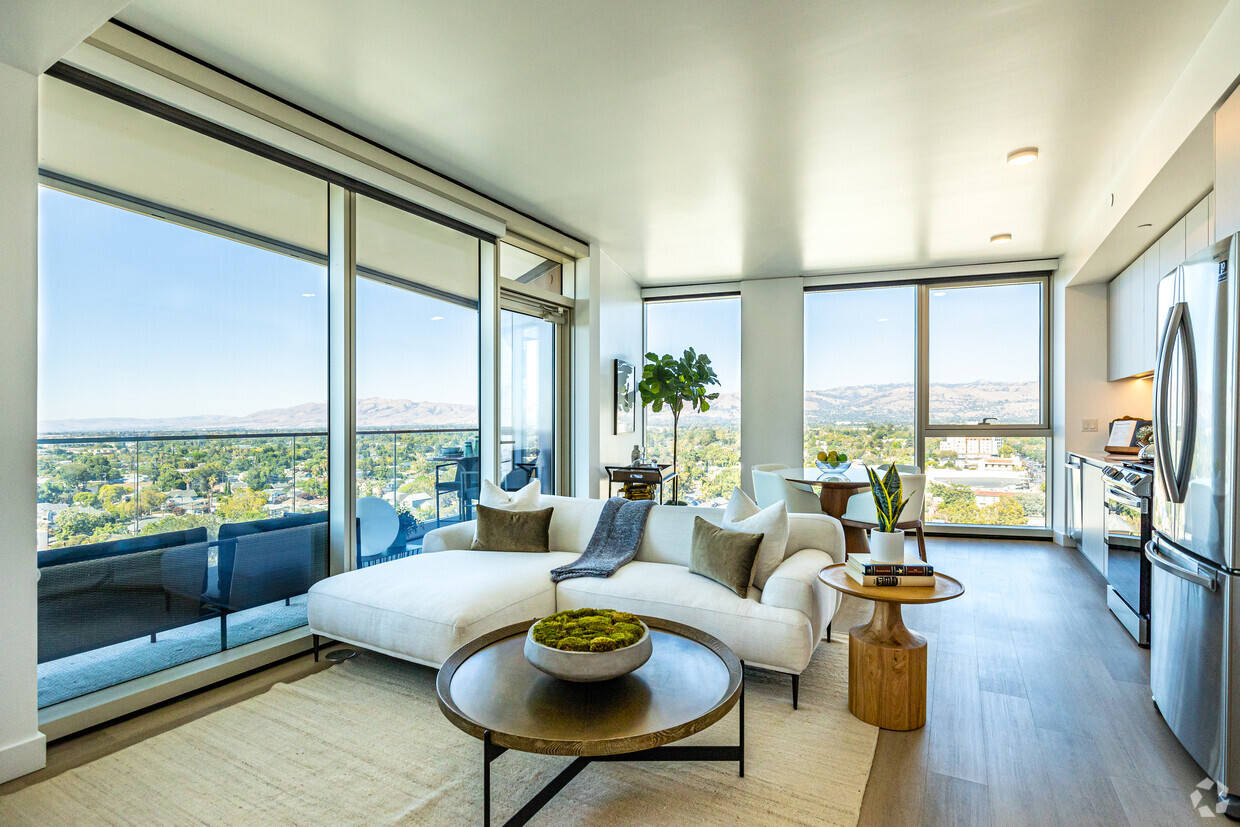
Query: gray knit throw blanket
(616, 537)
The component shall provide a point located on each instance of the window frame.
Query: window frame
(924, 429)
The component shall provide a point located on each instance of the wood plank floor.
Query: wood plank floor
(1039, 709)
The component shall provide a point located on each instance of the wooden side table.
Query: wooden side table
(886, 659)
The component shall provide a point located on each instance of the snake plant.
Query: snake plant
(889, 498)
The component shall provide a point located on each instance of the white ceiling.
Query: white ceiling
(700, 141)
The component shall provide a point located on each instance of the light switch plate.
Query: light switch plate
(1089, 426)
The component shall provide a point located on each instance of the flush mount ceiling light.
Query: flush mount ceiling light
(1024, 155)
(1001, 238)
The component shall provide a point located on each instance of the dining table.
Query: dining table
(834, 489)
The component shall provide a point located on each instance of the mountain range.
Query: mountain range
(960, 402)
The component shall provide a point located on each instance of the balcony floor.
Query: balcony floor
(60, 680)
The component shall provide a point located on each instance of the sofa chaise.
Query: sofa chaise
(422, 608)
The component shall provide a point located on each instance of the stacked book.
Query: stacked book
(909, 573)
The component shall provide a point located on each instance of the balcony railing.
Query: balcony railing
(210, 571)
(118, 485)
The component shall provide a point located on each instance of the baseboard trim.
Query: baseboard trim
(22, 757)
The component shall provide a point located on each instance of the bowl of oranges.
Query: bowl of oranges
(833, 462)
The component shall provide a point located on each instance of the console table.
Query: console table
(659, 476)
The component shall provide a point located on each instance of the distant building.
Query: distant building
(972, 447)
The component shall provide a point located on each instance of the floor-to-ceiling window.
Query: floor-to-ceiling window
(951, 377)
(709, 445)
(985, 446)
(416, 322)
(860, 365)
(182, 394)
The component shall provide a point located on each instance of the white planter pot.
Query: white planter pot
(887, 546)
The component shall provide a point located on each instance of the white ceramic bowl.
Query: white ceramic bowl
(588, 667)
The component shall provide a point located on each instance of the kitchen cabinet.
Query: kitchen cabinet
(1197, 228)
(1092, 543)
(1126, 323)
(1213, 217)
(1171, 250)
(1152, 324)
(1227, 168)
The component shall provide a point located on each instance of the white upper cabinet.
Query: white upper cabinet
(1197, 228)
(1151, 325)
(1171, 249)
(1213, 218)
(1126, 328)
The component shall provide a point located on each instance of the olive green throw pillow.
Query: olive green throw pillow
(502, 530)
(727, 557)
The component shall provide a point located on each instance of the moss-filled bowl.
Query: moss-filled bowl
(588, 645)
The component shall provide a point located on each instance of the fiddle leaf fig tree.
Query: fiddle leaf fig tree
(671, 383)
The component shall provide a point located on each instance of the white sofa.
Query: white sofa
(422, 608)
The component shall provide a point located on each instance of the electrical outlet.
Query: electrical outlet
(1089, 426)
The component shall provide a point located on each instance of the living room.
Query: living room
(710, 412)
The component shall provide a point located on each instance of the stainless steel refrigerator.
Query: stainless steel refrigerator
(1195, 584)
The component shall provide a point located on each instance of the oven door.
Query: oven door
(1125, 517)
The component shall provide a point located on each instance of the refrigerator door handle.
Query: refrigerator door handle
(1163, 365)
(1171, 567)
(1171, 475)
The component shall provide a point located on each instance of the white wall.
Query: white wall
(21, 744)
(1080, 387)
(772, 374)
(620, 337)
(607, 325)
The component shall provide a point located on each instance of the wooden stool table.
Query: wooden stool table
(886, 659)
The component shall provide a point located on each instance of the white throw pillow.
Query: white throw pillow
(524, 499)
(743, 514)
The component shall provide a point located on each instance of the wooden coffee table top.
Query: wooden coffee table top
(691, 681)
(945, 588)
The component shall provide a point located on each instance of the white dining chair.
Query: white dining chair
(770, 487)
(861, 512)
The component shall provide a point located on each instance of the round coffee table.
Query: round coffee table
(489, 690)
(886, 659)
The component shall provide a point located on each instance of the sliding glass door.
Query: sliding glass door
(527, 401)
(181, 457)
(418, 445)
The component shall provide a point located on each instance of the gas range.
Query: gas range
(1133, 476)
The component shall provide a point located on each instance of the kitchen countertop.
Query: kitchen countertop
(1103, 458)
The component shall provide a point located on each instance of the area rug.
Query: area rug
(364, 742)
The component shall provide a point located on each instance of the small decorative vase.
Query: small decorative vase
(887, 546)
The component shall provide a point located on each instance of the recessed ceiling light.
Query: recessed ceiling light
(1024, 155)
(939, 293)
(307, 295)
(1144, 226)
(1001, 238)
(436, 318)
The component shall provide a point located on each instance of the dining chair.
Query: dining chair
(861, 512)
(770, 487)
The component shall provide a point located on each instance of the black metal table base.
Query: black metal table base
(673, 753)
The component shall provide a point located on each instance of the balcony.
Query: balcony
(156, 550)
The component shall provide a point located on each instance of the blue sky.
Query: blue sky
(144, 318)
(867, 336)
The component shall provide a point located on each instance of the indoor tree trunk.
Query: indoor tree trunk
(675, 467)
